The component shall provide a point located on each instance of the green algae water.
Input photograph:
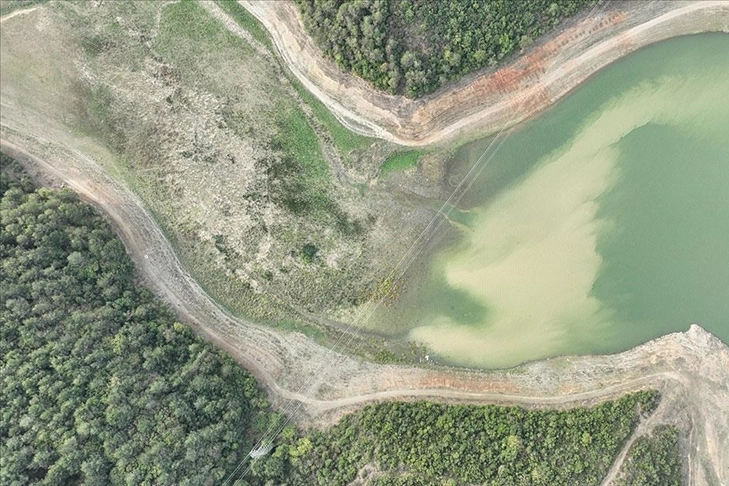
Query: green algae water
(598, 226)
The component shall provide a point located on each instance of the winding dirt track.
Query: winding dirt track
(317, 385)
(491, 100)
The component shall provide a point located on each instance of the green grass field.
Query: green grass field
(246, 21)
(400, 161)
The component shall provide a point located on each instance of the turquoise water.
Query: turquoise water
(599, 225)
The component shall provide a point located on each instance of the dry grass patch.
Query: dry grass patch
(262, 193)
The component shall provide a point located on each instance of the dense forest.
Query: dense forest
(414, 47)
(100, 385)
(425, 443)
(654, 460)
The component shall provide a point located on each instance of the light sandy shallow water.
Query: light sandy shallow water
(540, 255)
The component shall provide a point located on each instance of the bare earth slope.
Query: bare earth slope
(486, 102)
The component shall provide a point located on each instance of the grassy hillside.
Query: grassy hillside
(244, 172)
(268, 201)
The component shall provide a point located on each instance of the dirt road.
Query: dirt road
(321, 384)
(488, 101)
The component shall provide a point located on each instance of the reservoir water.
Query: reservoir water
(599, 225)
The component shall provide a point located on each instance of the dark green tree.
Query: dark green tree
(100, 385)
(414, 47)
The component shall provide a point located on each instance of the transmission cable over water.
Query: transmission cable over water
(316, 377)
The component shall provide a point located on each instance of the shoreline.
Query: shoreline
(490, 100)
(322, 384)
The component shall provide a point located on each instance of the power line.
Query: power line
(405, 262)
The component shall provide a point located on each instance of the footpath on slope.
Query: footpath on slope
(487, 101)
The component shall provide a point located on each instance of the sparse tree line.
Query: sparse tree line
(414, 47)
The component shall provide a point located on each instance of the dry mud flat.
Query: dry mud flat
(490, 100)
(318, 385)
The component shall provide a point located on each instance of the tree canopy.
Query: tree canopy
(414, 47)
(654, 460)
(100, 384)
(424, 443)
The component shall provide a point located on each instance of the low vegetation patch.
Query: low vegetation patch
(411, 47)
(400, 161)
(246, 21)
(225, 154)
(8, 6)
(238, 164)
